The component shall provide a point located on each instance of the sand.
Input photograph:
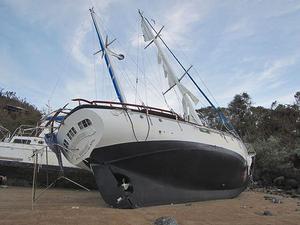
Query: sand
(65, 206)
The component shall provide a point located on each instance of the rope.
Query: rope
(132, 127)
(148, 122)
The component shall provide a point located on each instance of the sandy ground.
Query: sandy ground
(63, 206)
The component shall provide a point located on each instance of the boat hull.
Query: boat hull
(165, 172)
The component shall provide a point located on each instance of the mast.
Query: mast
(187, 97)
(223, 118)
(112, 74)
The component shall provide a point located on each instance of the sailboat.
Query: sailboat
(144, 156)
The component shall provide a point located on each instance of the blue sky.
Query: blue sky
(46, 49)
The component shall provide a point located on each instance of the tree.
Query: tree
(241, 115)
(297, 98)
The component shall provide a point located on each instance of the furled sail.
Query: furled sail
(187, 97)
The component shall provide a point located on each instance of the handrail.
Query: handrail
(4, 132)
(79, 100)
(24, 130)
(139, 107)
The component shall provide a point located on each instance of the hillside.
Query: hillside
(15, 111)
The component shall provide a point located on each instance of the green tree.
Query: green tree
(241, 116)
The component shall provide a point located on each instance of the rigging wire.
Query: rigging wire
(126, 111)
(177, 97)
(145, 81)
(127, 77)
(63, 73)
(137, 62)
(195, 68)
(145, 78)
(94, 62)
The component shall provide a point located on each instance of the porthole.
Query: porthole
(71, 133)
(84, 123)
(66, 143)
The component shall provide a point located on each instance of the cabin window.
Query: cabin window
(22, 141)
(66, 143)
(41, 142)
(84, 123)
(71, 133)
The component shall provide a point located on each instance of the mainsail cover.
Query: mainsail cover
(187, 96)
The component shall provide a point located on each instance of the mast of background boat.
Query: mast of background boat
(112, 74)
(219, 112)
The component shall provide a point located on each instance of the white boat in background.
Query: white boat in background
(142, 155)
(22, 145)
(18, 152)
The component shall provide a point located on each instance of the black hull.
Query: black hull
(165, 172)
(20, 174)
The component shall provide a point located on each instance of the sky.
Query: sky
(46, 49)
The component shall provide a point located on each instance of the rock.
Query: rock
(273, 199)
(291, 183)
(295, 160)
(279, 181)
(3, 180)
(165, 221)
(264, 213)
(276, 200)
(267, 197)
(294, 195)
(298, 191)
(267, 213)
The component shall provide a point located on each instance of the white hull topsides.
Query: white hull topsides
(24, 153)
(116, 126)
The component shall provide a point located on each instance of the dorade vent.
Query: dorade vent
(66, 143)
(71, 133)
(84, 123)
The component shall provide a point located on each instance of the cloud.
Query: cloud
(288, 7)
(268, 78)
(242, 28)
(178, 20)
(273, 69)
(77, 42)
(217, 35)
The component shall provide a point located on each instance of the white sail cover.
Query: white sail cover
(187, 96)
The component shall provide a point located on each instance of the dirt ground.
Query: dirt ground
(65, 206)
